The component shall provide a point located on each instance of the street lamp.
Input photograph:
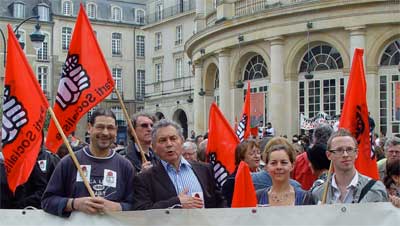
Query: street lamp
(202, 92)
(308, 74)
(37, 37)
(239, 82)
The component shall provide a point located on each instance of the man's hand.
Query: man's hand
(395, 200)
(95, 205)
(14, 117)
(189, 202)
(73, 81)
(146, 165)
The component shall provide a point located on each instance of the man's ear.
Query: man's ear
(329, 155)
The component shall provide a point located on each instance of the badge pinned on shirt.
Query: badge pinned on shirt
(110, 178)
(86, 172)
(43, 165)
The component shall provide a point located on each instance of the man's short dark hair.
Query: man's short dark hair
(102, 112)
(142, 114)
(341, 133)
(321, 134)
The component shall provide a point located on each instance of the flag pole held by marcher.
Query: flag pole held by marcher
(133, 133)
(71, 152)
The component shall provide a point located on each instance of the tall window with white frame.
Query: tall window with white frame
(140, 84)
(116, 13)
(140, 46)
(119, 116)
(178, 35)
(66, 37)
(158, 41)
(140, 16)
(67, 8)
(158, 72)
(178, 67)
(91, 10)
(42, 74)
(42, 53)
(116, 44)
(159, 11)
(19, 9)
(117, 76)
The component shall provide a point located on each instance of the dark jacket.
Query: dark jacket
(154, 189)
(134, 156)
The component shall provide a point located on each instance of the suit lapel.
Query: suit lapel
(164, 179)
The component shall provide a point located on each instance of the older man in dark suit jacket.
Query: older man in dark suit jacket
(174, 182)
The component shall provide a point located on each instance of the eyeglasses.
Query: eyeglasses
(146, 125)
(340, 151)
(394, 152)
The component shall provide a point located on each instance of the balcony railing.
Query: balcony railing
(247, 7)
(176, 85)
(170, 12)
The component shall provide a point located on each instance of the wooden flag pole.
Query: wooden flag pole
(71, 152)
(133, 133)
(327, 183)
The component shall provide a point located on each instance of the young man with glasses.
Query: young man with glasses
(110, 175)
(143, 125)
(346, 184)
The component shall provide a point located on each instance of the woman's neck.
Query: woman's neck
(281, 187)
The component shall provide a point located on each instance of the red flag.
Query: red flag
(355, 116)
(243, 129)
(24, 112)
(244, 194)
(85, 81)
(221, 145)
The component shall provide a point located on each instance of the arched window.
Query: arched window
(140, 16)
(389, 89)
(321, 57)
(255, 68)
(91, 10)
(67, 8)
(325, 92)
(116, 13)
(391, 55)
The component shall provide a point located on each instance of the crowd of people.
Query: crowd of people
(159, 168)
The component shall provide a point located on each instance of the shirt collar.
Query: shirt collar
(182, 163)
(353, 182)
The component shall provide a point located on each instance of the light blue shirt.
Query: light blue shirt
(183, 178)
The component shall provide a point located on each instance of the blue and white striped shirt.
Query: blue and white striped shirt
(183, 178)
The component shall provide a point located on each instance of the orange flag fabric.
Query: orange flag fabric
(243, 130)
(354, 116)
(85, 81)
(24, 112)
(244, 193)
(221, 145)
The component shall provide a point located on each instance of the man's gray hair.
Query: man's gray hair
(391, 141)
(188, 145)
(162, 124)
(321, 134)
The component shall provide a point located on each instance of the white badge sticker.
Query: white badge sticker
(43, 165)
(86, 172)
(110, 178)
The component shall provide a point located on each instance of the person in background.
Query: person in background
(347, 185)
(190, 151)
(201, 154)
(392, 153)
(392, 181)
(302, 171)
(198, 139)
(109, 174)
(279, 164)
(249, 152)
(270, 131)
(143, 125)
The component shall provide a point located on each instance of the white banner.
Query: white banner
(320, 119)
(341, 214)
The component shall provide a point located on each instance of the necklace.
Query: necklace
(281, 197)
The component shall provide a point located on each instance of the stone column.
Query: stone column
(357, 40)
(278, 95)
(224, 83)
(198, 100)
